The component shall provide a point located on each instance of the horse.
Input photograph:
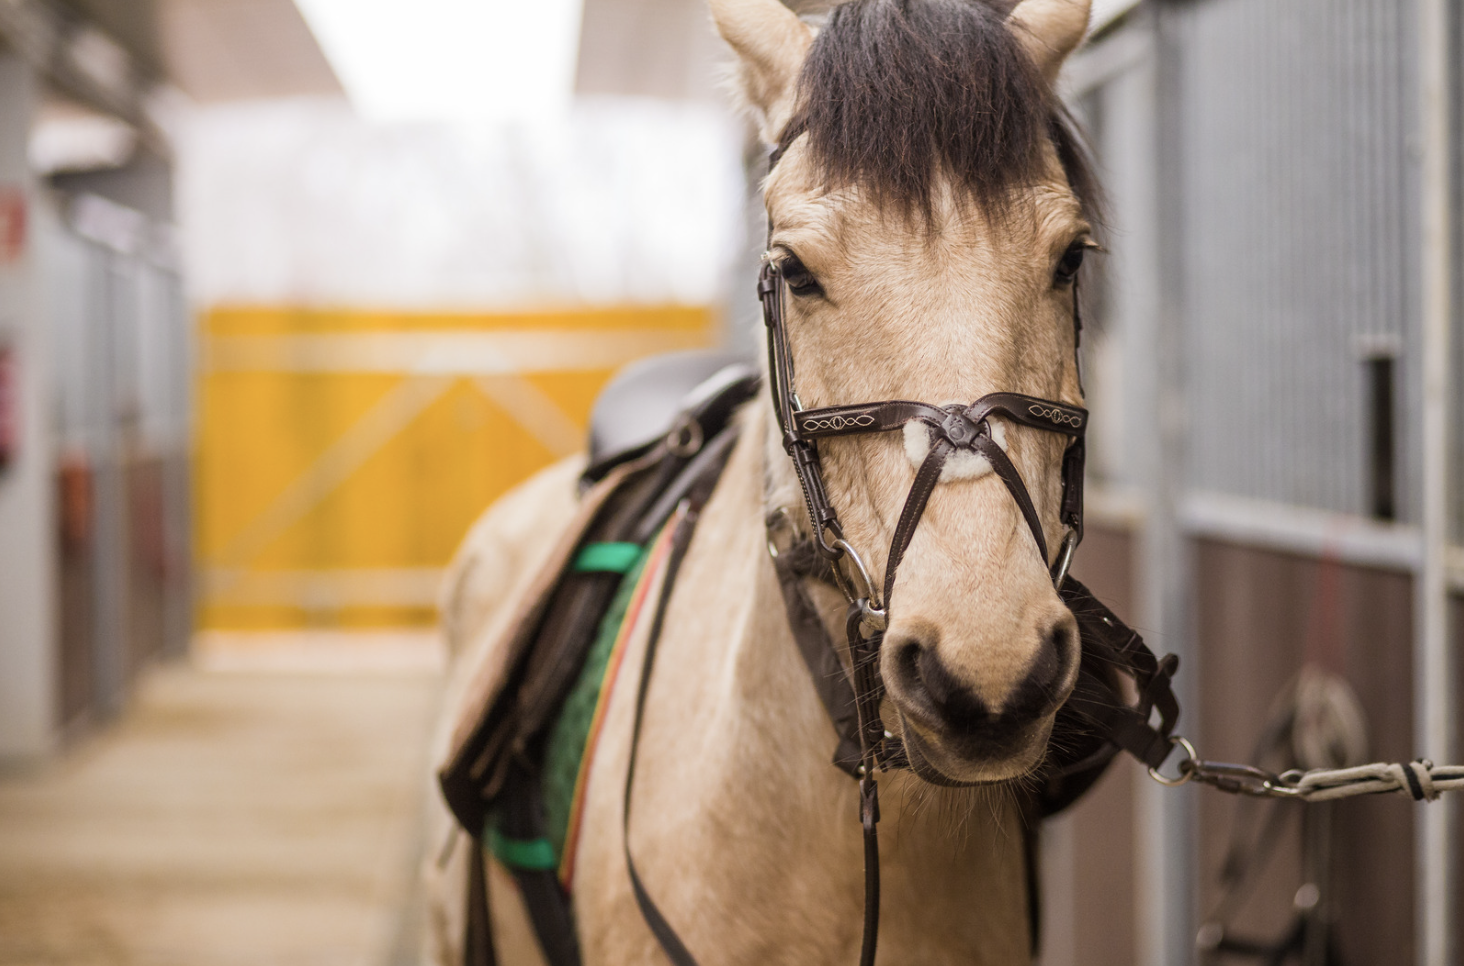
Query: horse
(928, 208)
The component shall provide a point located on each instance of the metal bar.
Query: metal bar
(1434, 698)
(1165, 816)
(1304, 530)
(1284, 527)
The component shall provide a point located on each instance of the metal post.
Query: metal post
(1165, 816)
(1434, 699)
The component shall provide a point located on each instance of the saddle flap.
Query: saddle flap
(472, 736)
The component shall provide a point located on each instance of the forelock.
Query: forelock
(896, 93)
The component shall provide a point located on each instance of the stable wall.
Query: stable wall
(27, 567)
(1261, 613)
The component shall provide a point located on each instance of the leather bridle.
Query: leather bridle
(954, 429)
(1099, 714)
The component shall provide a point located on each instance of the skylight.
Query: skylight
(470, 60)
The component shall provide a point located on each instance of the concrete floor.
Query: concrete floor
(227, 819)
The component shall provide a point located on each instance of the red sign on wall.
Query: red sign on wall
(12, 224)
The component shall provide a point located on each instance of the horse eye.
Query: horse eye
(1072, 260)
(800, 280)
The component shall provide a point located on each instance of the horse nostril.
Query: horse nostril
(1047, 663)
(1035, 695)
(953, 700)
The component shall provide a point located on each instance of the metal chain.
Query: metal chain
(1421, 779)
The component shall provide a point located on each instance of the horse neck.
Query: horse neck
(766, 671)
(740, 657)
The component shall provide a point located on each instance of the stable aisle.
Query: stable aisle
(228, 818)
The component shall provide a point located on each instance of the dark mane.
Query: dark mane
(895, 92)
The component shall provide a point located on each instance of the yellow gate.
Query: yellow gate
(342, 454)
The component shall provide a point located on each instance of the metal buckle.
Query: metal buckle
(685, 438)
(1065, 557)
(863, 594)
(1186, 775)
(875, 617)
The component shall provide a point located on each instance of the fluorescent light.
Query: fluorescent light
(450, 59)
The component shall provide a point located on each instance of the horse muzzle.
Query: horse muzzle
(954, 732)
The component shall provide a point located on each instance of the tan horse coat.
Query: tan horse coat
(743, 832)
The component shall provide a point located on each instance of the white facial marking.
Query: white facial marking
(960, 465)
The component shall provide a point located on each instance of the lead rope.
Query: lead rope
(1421, 779)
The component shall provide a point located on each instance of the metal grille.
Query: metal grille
(1298, 199)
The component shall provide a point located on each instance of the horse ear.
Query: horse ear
(771, 44)
(1050, 30)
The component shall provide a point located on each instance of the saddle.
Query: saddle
(660, 436)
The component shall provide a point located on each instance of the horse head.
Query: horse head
(928, 213)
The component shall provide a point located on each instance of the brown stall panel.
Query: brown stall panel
(1103, 926)
(147, 573)
(76, 562)
(1259, 615)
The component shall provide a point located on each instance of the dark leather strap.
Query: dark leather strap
(868, 691)
(685, 525)
(925, 479)
(1002, 464)
(478, 928)
(666, 936)
(886, 417)
(882, 417)
(793, 565)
